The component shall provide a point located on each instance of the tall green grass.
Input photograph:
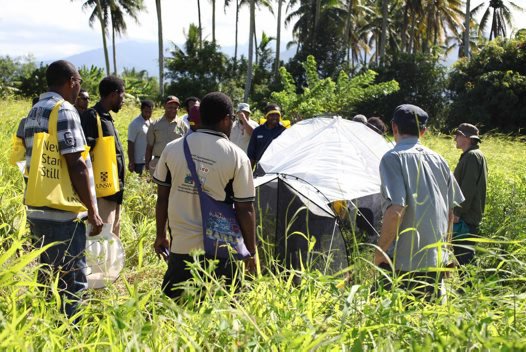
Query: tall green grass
(271, 311)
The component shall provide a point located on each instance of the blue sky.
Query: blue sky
(53, 29)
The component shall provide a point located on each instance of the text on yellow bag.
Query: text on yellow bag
(104, 159)
(49, 184)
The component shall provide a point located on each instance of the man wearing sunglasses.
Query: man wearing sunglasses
(81, 104)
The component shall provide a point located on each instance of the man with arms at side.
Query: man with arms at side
(243, 127)
(48, 225)
(82, 101)
(137, 138)
(111, 91)
(419, 193)
(225, 174)
(263, 135)
(163, 131)
(471, 174)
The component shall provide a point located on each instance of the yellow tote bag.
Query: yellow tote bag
(48, 184)
(18, 150)
(104, 159)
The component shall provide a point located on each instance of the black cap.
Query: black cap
(410, 114)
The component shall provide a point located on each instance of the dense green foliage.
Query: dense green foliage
(320, 96)
(422, 79)
(490, 88)
(270, 312)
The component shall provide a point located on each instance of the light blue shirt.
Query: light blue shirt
(420, 180)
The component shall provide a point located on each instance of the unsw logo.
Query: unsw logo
(104, 176)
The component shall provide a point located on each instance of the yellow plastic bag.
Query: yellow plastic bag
(18, 150)
(48, 184)
(104, 159)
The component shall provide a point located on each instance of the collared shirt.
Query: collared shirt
(239, 136)
(161, 132)
(472, 173)
(420, 180)
(70, 140)
(137, 135)
(261, 138)
(225, 174)
(89, 125)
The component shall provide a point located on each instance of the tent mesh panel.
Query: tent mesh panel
(288, 229)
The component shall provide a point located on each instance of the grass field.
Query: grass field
(270, 312)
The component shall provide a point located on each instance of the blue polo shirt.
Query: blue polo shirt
(261, 139)
(420, 180)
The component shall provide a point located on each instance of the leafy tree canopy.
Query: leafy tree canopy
(490, 89)
(322, 96)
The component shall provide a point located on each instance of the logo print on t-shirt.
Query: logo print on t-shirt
(68, 139)
(189, 180)
(104, 176)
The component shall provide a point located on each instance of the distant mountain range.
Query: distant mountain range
(144, 56)
(141, 56)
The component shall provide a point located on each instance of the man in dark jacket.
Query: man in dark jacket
(111, 91)
(471, 174)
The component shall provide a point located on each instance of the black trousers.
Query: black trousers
(179, 272)
(422, 284)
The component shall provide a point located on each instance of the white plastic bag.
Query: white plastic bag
(104, 258)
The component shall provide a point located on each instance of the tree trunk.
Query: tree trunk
(104, 43)
(248, 83)
(404, 29)
(161, 46)
(114, 49)
(214, 21)
(255, 38)
(348, 43)
(278, 41)
(200, 24)
(317, 15)
(237, 31)
(383, 37)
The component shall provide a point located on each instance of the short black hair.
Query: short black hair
(270, 107)
(109, 85)
(214, 107)
(35, 100)
(146, 104)
(377, 125)
(188, 100)
(59, 72)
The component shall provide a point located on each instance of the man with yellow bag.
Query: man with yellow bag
(60, 184)
(106, 150)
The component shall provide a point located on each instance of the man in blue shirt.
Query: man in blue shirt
(419, 193)
(265, 134)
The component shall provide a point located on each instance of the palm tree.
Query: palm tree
(500, 19)
(465, 35)
(160, 43)
(248, 83)
(227, 3)
(441, 16)
(118, 8)
(99, 13)
(213, 21)
(278, 41)
(200, 24)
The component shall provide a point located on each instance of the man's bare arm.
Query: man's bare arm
(161, 243)
(148, 157)
(79, 175)
(131, 156)
(391, 223)
(246, 216)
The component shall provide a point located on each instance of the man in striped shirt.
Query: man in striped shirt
(66, 258)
